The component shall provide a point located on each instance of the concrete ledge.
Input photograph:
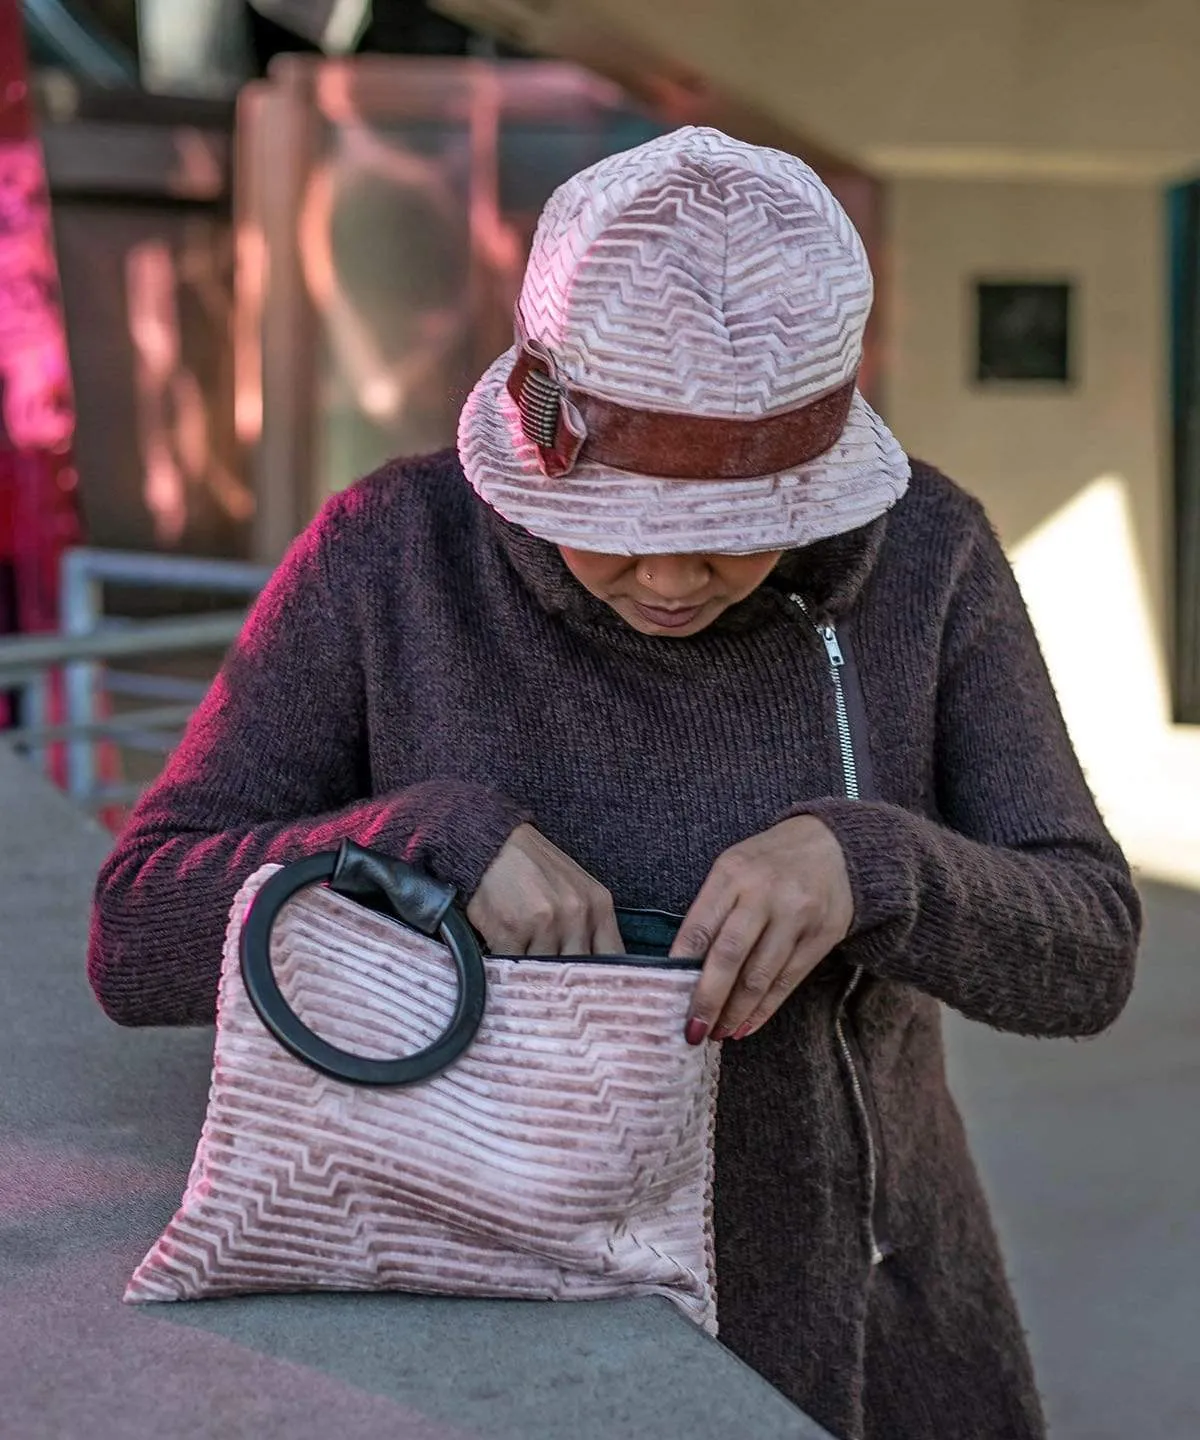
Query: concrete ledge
(97, 1127)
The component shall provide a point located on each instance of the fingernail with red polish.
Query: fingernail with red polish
(696, 1032)
(722, 1032)
(743, 1030)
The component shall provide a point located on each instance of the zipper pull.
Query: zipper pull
(834, 650)
(827, 633)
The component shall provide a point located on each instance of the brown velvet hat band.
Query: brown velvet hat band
(566, 425)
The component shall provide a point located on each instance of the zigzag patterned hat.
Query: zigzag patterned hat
(688, 340)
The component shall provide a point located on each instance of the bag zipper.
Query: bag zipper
(837, 661)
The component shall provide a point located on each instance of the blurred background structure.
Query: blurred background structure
(287, 236)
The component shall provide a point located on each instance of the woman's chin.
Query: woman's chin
(667, 629)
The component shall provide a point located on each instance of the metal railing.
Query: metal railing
(90, 641)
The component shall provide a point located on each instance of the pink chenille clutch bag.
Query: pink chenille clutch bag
(392, 1110)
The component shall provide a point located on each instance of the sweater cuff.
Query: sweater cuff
(875, 840)
(454, 829)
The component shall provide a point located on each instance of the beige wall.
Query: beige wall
(971, 86)
(1027, 449)
(1076, 480)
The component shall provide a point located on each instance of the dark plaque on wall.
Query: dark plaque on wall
(1023, 331)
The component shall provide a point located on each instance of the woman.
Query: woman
(696, 636)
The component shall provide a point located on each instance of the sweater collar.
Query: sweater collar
(829, 574)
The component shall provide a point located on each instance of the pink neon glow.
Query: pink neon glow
(38, 412)
(178, 454)
(252, 260)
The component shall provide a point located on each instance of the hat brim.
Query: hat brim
(615, 512)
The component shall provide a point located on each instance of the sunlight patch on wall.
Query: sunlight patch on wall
(1082, 580)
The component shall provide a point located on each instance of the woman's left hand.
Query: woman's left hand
(770, 911)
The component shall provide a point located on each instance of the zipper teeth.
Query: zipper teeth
(850, 773)
(845, 738)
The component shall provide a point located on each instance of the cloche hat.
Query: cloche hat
(688, 340)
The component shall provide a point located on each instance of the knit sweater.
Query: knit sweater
(421, 677)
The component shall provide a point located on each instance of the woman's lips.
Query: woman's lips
(667, 619)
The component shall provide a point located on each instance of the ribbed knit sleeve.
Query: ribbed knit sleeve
(273, 766)
(1018, 909)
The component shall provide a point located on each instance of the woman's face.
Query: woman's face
(669, 594)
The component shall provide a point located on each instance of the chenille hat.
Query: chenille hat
(684, 375)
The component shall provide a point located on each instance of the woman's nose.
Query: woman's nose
(672, 577)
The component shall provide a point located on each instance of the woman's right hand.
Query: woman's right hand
(534, 900)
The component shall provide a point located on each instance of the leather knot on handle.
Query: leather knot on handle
(393, 886)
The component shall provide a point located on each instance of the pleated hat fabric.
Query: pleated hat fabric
(698, 276)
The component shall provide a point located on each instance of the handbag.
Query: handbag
(392, 1109)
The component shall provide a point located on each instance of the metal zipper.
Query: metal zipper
(837, 660)
(845, 737)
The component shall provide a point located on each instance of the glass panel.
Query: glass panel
(414, 236)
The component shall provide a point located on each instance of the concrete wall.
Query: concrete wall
(1077, 479)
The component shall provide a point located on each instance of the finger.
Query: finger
(758, 977)
(504, 940)
(542, 930)
(701, 923)
(606, 936)
(574, 926)
(804, 961)
(500, 937)
(733, 942)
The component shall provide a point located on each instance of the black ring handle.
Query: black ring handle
(282, 1021)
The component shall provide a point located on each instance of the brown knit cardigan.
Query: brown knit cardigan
(421, 676)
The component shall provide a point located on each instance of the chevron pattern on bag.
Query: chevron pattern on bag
(567, 1155)
(692, 275)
